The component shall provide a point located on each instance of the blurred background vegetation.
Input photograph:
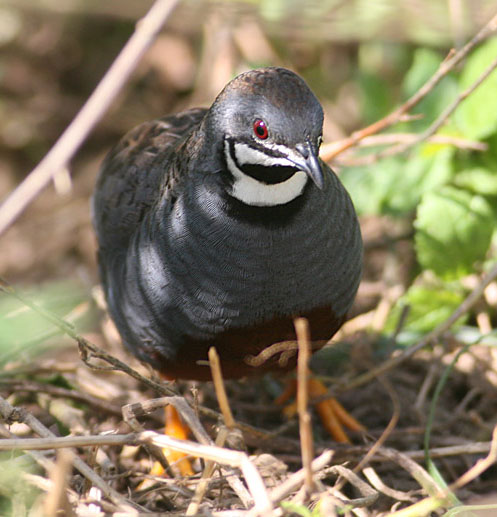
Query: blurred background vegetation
(428, 215)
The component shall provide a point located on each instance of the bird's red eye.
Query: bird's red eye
(260, 129)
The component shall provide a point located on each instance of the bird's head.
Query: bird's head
(267, 124)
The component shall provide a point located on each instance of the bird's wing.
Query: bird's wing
(131, 180)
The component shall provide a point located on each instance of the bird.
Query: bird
(218, 226)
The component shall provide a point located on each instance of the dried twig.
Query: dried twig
(413, 468)
(480, 466)
(55, 391)
(469, 448)
(409, 138)
(209, 452)
(139, 409)
(306, 441)
(203, 484)
(57, 501)
(132, 411)
(377, 483)
(287, 349)
(11, 413)
(445, 67)
(436, 125)
(388, 429)
(64, 149)
(430, 504)
(238, 459)
(229, 421)
(222, 398)
(369, 494)
(296, 479)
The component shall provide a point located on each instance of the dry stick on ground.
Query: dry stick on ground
(11, 413)
(378, 484)
(203, 484)
(229, 421)
(295, 480)
(480, 466)
(287, 349)
(95, 107)
(329, 151)
(58, 442)
(370, 495)
(306, 441)
(223, 434)
(222, 398)
(132, 411)
(381, 440)
(57, 499)
(55, 391)
(430, 504)
(138, 409)
(210, 452)
(414, 469)
(388, 429)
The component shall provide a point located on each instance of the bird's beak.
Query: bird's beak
(306, 159)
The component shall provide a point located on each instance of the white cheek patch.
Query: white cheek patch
(246, 155)
(256, 193)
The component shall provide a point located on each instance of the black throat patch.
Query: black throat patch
(269, 216)
(270, 175)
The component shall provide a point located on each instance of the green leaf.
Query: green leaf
(23, 331)
(395, 185)
(479, 180)
(370, 187)
(477, 115)
(296, 508)
(428, 168)
(374, 96)
(428, 307)
(453, 230)
(13, 485)
(425, 64)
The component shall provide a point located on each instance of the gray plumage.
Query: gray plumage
(183, 262)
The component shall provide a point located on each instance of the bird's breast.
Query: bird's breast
(212, 271)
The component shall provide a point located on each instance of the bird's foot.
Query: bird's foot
(178, 461)
(333, 415)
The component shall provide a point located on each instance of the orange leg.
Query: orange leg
(177, 460)
(333, 415)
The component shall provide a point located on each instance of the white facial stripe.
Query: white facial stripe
(246, 155)
(255, 193)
